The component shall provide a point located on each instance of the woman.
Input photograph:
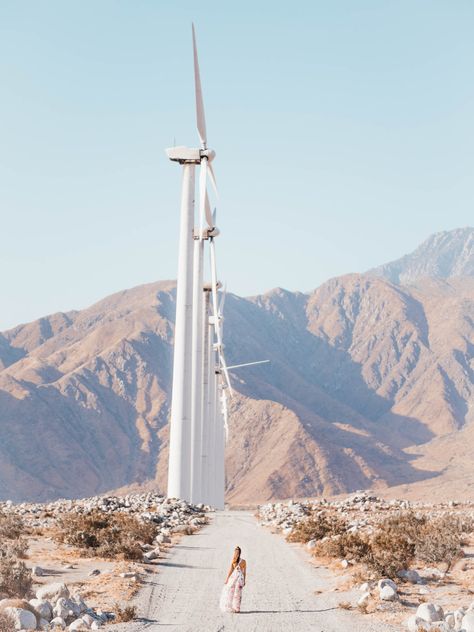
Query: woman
(232, 591)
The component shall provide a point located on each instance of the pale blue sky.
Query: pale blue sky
(344, 135)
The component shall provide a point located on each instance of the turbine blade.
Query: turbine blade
(200, 116)
(209, 215)
(215, 309)
(212, 178)
(222, 303)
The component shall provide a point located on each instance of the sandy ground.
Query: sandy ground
(284, 591)
(99, 591)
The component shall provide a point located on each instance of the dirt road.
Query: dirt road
(280, 594)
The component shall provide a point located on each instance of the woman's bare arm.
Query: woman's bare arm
(244, 571)
(229, 574)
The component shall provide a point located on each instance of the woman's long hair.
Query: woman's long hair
(236, 558)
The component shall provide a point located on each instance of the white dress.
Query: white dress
(231, 594)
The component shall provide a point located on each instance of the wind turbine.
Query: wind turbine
(184, 470)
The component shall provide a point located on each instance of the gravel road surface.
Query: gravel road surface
(280, 595)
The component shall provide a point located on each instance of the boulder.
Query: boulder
(63, 609)
(152, 555)
(410, 576)
(42, 607)
(387, 593)
(416, 624)
(58, 622)
(468, 622)
(364, 599)
(52, 592)
(21, 604)
(450, 620)
(430, 612)
(88, 620)
(24, 619)
(37, 571)
(78, 624)
(79, 601)
(386, 582)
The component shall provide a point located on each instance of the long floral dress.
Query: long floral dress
(231, 595)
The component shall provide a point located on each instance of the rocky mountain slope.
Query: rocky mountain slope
(443, 255)
(370, 385)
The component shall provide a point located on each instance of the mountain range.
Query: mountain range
(370, 384)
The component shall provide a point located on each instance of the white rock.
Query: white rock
(364, 599)
(57, 621)
(344, 563)
(24, 619)
(311, 544)
(387, 593)
(410, 576)
(52, 592)
(414, 624)
(450, 620)
(387, 582)
(96, 625)
(81, 604)
(42, 607)
(152, 555)
(364, 587)
(423, 590)
(37, 571)
(88, 620)
(62, 608)
(458, 617)
(430, 612)
(78, 624)
(468, 622)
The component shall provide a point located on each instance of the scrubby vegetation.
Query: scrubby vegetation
(106, 534)
(317, 527)
(15, 577)
(396, 542)
(123, 615)
(7, 624)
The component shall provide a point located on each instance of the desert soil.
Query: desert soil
(284, 591)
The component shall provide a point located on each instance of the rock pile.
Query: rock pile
(364, 510)
(430, 616)
(168, 513)
(54, 608)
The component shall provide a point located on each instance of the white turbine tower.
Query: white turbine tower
(184, 471)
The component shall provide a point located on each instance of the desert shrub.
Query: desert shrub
(398, 540)
(348, 545)
(317, 527)
(7, 623)
(11, 526)
(389, 552)
(15, 577)
(14, 548)
(124, 615)
(106, 534)
(405, 525)
(384, 552)
(440, 540)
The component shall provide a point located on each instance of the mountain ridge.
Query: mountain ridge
(369, 385)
